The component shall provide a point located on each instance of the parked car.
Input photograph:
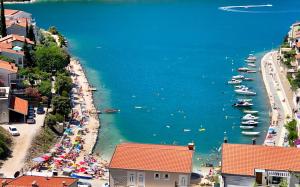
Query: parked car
(40, 110)
(13, 131)
(83, 184)
(30, 107)
(31, 121)
(31, 114)
(30, 117)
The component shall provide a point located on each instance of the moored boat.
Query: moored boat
(244, 91)
(243, 69)
(246, 127)
(240, 86)
(242, 104)
(111, 111)
(238, 77)
(244, 100)
(248, 79)
(249, 122)
(251, 71)
(248, 133)
(251, 65)
(234, 81)
(249, 117)
(250, 111)
(251, 58)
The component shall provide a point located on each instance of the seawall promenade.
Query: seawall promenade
(279, 97)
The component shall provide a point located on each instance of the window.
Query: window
(131, 178)
(166, 176)
(156, 176)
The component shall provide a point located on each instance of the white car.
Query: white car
(13, 131)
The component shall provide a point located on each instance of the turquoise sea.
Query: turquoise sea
(165, 63)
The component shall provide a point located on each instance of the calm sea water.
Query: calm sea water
(165, 64)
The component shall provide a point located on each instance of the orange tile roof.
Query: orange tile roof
(242, 159)
(297, 56)
(11, 51)
(19, 105)
(10, 12)
(8, 66)
(41, 181)
(151, 157)
(13, 37)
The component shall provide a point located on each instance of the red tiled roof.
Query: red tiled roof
(150, 157)
(20, 21)
(11, 51)
(13, 37)
(19, 105)
(8, 66)
(242, 159)
(41, 181)
(10, 12)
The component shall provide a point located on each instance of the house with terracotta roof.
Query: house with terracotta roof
(16, 55)
(247, 165)
(15, 14)
(8, 73)
(38, 181)
(151, 165)
(18, 26)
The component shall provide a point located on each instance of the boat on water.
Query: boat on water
(249, 122)
(242, 104)
(238, 77)
(234, 81)
(249, 117)
(110, 111)
(240, 86)
(186, 130)
(247, 127)
(251, 71)
(244, 100)
(248, 79)
(244, 91)
(251, 58)
(251, 65)
(248, 133)
(243, 69)
(250, 111)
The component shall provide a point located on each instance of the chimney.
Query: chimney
(64, 184)
(253, 141)
(34, 184)
(191, 146)
(4, 183)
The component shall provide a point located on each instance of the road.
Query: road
(22, 144)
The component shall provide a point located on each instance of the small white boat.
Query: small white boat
(249, 117)
(249, 122)
(250, 111)
(247, 127)
(234, 81)
(251, 71)
(238, 77)
(243, 69)
(242, 104)
(244, 100)
(251, 65)
(186, 130)
(240, 86)
(250, 133)
(244, 91)
(251, 58)
(248, 79)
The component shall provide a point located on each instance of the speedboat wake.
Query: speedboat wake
(243, 8)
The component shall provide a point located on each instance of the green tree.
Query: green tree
(45, 88)
(51, 58)
(30, 33)
(32, 92)
(27, 55)
(53, 30)
(63, 83)
(7, 59)
(61, 105)
(3, 23)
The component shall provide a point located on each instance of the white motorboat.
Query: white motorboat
(238, 77)
(251, 58)
(247, 127)
(250, 133)
(249, 117)
(240, 86)
(244, 100)
(242, 104)
(244, 91)
(248, 79)
(234, 81)
(251, 71)
(243, 69)
(250, 111)
(249, 122)
(251, 65)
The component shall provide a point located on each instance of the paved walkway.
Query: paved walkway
(22, 144)
(277, 89)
